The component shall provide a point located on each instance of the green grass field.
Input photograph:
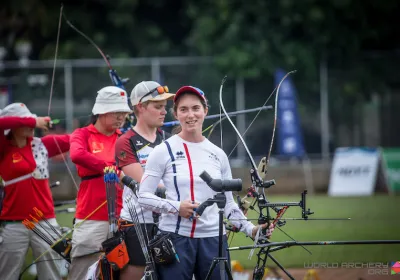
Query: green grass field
(372, 218)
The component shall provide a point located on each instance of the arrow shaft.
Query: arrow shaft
(232, 114)
(298, 219)
(287, 244)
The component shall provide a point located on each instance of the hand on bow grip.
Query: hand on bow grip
(187, 209)
(43, 123)
(264, 231)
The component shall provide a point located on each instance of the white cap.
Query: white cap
(16, 110)
(143, 88)
(111, 99)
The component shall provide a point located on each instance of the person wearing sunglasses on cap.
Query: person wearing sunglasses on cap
(92, 149)
(25, 175)
(178, 162)
(149, 101)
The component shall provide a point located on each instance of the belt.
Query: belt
(124, 224)
(84, 178)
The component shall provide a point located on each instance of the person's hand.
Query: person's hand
(186, 208)
(269, 231)
(120, 175)
(43, 123)
(243, 205)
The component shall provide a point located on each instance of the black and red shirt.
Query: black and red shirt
(133, 148)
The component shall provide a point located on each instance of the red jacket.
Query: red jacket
(91, 151)
(21, 197)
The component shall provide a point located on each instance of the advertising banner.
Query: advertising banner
(354, 171)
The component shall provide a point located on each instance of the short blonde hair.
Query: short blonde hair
(135, 109)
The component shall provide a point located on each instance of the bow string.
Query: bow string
(118, 82)
(115, 78)
(257, 176)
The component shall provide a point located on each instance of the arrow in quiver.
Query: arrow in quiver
(49, 234)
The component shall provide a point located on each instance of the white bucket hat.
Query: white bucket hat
(16, 110)
(138, 93)
(111, 99)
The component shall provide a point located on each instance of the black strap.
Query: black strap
(91, 177)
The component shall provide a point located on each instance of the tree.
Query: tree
(251, 40)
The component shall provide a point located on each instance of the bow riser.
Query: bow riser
(116, 80)
(257, 177)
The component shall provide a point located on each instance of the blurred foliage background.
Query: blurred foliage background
(356, 40)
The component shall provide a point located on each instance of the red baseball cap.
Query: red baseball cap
(191, 89)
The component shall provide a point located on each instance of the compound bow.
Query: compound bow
(257, 176)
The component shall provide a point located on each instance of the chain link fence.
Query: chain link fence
(353, 121)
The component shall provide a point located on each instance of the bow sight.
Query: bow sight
(264, 205)
(280, 208)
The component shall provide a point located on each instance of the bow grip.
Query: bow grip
(264, 231)
(201, 208)
(261, 221)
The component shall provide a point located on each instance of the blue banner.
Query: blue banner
(289, 134)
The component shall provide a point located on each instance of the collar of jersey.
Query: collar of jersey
(93, 129)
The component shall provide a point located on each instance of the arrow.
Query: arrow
(232, 114)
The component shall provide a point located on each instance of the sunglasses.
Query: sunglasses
(155, 92)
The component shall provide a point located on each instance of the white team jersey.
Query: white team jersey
(179, 163)
(128, 194)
